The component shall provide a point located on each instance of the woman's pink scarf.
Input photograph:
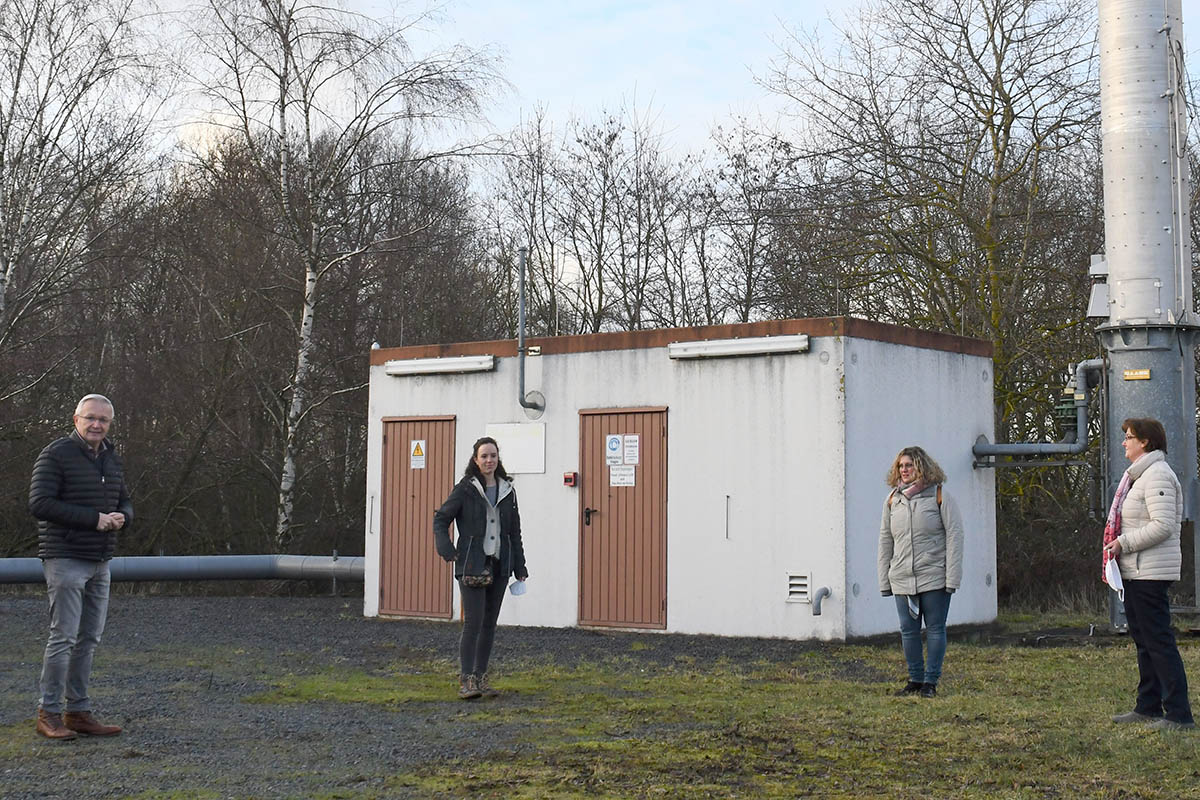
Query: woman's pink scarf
(1112, 527)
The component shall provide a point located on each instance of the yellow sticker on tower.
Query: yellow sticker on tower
(1137, 374)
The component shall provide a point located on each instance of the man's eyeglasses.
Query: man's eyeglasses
(89, 419)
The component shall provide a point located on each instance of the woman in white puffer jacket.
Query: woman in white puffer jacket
(1142, 533)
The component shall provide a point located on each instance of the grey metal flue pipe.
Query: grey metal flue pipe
(204, 568)
(524, 400)
(985, 448)
(821, 594)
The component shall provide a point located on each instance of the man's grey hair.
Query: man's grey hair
(98, 398)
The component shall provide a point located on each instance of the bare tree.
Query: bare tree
(746, 188)
(307, 86)
(525, 201)
(956, 131)
(74, 79)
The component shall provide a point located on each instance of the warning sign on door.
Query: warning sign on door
(417, 454)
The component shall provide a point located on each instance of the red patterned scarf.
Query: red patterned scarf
(1112, 528)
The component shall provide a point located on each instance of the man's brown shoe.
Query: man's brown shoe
(51, 726)
(83, 722)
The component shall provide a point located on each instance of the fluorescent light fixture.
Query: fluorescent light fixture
(434, 366)
(754, 346)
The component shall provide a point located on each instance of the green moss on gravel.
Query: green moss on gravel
(1010, 722)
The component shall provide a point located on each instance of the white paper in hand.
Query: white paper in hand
(516, 588)
(1112, 576)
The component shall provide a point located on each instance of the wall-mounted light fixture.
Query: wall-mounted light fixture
(751, 346)
(434, 366)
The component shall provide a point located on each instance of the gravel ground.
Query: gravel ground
(176, 671)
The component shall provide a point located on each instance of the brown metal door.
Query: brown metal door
(623, 518)
(418, 473)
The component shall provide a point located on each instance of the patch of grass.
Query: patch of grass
(1010, 722)
(1018, 621)
(420, 685)
(16, 738)
(176, 794)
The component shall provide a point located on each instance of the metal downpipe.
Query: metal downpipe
(204, 568)
(525, 400)
(821, 594)
(983, 447)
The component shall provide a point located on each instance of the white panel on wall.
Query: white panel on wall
(522, 445)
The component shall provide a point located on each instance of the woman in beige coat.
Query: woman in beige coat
(1142, 533)
(920, 562)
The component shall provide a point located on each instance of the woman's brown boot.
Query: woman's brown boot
(486, 688)
(468, 687)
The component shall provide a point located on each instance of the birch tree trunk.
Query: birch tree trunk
(310, 88)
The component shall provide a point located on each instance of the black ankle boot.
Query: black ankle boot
(928, 690)
(912, 687)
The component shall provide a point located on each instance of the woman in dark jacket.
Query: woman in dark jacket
(483, 507)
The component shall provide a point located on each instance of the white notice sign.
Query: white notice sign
(632, 448)
(416, 454)
(622, 476)
(612, 449)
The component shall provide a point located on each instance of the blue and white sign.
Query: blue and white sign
(614, 449)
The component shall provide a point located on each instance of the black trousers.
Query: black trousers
(481, 607)
(1162, 685)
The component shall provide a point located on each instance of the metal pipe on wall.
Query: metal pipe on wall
(204, 568)
(536, 403)
(984, 448)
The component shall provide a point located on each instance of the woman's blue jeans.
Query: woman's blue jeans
(934, 606)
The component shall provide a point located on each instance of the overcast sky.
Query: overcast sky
(690, 63)
(687, 63)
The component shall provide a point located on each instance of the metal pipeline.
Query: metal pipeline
(204, 568)
(525, 400)
(985, 448)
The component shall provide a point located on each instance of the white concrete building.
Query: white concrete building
(716, 492)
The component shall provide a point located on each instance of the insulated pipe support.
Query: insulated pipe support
(204, 568)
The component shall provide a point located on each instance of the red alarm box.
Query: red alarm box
(570, 479)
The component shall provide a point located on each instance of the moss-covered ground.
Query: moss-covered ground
(1011, 722)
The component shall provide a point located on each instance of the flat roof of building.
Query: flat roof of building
(661, 337)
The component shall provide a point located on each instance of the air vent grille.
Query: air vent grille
(798, 587)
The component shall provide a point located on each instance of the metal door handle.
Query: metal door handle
(587, 515)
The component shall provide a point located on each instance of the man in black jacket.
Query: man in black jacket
(79, 497)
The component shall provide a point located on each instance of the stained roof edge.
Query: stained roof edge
(852, 327)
